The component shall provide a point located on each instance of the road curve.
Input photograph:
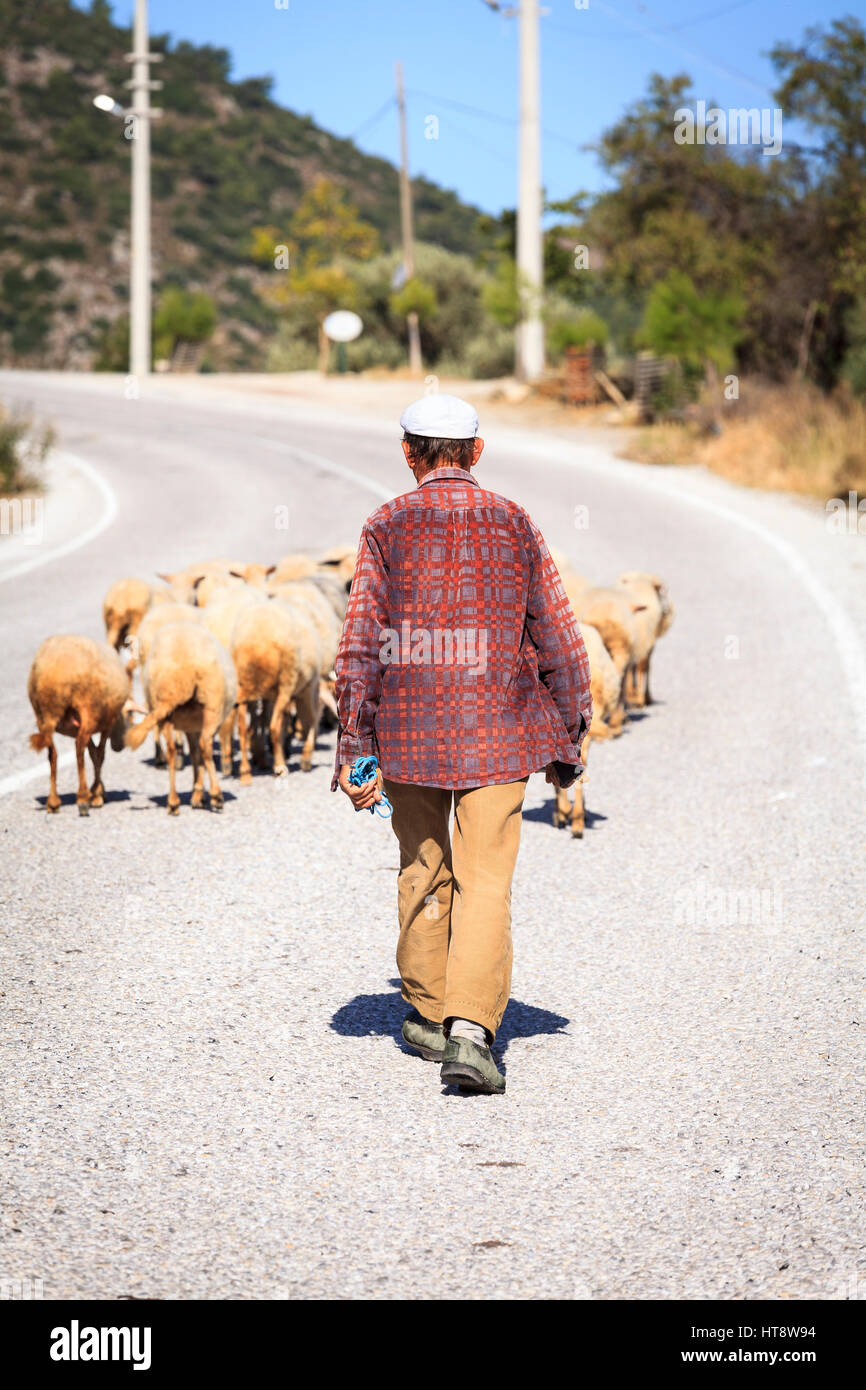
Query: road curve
(200, 1057)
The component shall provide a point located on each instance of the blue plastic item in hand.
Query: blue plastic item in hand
(363, 770)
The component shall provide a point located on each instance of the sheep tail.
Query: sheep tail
(39, 742)
(136, 735)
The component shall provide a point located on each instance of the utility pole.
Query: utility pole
(530, 329)
(140, 256)
(406, 221)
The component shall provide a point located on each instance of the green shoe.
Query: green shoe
(471, 1067)
(426, 1038)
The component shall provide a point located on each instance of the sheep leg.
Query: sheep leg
(82, 738)
(617, 720)
(278, 719)
(97, 755)
(638, 696)
(647, 698)
(578, 818)
(226, 733)
(52, 805)
(260, 718)
(195, 757)
(171, 757)
(244, 742)
(630, 684)
(562, 808)
(209, 728)
(577, 813)
(308, 708)
(159, 759)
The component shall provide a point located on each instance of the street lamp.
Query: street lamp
(138, 132)
(106, 103)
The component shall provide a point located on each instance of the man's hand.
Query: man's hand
(363, 797)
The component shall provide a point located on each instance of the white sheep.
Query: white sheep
(652, 621)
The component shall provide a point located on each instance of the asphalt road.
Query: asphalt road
(203, 1088)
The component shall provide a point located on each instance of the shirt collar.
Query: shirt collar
(447, 473)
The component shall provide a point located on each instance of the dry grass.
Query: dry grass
(791, 437)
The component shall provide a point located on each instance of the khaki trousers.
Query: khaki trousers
(454, 897)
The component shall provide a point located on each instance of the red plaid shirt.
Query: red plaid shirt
(461, 662)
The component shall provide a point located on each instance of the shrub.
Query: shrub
(23, 447)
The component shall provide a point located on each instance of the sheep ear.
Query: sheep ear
(638, 607)
(270, 569)
(196, 582)
(166, 578)
(235, 574)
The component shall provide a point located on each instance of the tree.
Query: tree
(824, 84)
(326, 236)
(182, 316)
(699, 330)
(415, 297)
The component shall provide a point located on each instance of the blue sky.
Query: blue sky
(334, 59)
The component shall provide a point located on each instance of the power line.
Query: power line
(713, 14)
(696, 54)
(489, 115)
(377, 116)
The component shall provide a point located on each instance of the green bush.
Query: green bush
(694, 327)
(577, 329)
(23, 447)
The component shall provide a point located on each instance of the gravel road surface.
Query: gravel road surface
(204, 1091)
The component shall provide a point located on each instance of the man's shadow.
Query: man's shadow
(383, 1014)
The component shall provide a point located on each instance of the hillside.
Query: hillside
(226, 158)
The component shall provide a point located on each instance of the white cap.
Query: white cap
(440, 416)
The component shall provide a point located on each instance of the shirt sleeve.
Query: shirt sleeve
(359, 669)
(563, 664)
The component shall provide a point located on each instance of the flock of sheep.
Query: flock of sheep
(620, 627)
(221, 646)
(229, 649)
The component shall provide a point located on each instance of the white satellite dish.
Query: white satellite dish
(342, 326)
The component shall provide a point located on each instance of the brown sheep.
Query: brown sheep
(256, 576)
(652, 622)
(340, 560)
(79, 688)
(308, 597)
(296, 566)
(125, 605)
(612, 613)
(605, 684)
(220, 615)
(277, 659)
(190, 684)
(185, 583)
(158, 617)
(140, 646)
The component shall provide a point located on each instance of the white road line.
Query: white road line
(106, 517)
(39, 769)
(385, 494)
